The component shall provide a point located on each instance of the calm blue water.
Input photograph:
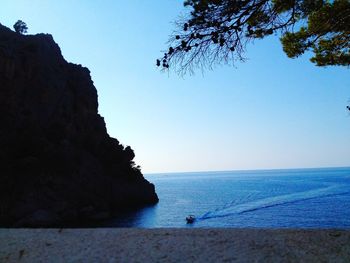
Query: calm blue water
(300, 198)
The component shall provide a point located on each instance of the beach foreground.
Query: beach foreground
(173, 245)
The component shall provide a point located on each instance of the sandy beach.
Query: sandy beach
(173, 245)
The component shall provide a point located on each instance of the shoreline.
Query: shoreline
(174, 245)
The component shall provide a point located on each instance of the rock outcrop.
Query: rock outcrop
(58, 165)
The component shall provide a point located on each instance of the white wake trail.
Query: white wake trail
(276, 200)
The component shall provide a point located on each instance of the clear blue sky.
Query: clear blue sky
(270, 112)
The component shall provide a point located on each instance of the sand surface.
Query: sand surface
(173, 245)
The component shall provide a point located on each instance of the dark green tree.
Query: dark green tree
(20, 27)
(217, 31)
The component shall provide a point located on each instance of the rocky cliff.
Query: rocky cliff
(58, 165)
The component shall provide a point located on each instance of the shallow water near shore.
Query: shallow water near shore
(297, 198)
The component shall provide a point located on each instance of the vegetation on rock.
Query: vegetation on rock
(20, 27)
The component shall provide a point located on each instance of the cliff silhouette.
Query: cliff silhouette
(58, 165)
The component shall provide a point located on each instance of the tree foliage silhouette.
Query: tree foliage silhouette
(20, 27)
(217, 31)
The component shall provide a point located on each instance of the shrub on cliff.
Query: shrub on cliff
(20, 27)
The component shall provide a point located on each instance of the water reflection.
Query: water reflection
(143, 217)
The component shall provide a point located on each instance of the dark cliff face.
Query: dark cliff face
(58, 165)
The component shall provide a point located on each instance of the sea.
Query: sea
(293, 198)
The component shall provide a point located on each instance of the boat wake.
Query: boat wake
(275, 201)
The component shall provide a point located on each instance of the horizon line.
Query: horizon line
(249, 170)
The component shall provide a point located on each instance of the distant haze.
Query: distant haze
(269, 112)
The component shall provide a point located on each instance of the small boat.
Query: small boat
(190, 219)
